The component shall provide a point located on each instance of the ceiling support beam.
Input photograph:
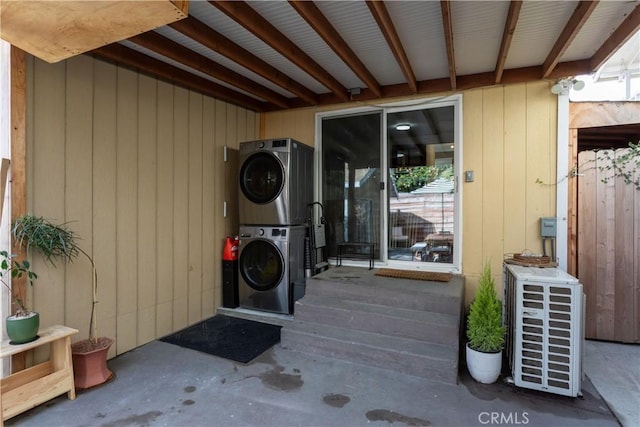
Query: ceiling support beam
(507, 36)
(314, 17)
(146, 64)
(570, 31)
(470, 81)
(215, 41)
(381, 15)
(133, 59)
(627, 29)
(251, 20)
(172, 50)
(445, 7)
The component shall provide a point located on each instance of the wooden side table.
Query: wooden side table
(30, 387)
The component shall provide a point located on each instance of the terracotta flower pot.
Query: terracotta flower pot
(90, 362)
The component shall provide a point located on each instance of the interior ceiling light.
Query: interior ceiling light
(403, 126)
(563, 86)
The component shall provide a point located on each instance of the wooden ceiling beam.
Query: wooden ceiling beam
(314, 17)
(448, 38)
(471, 81)
(619, 37)
(507, 35)
(246, 16)
(571, 68)
(133, 59)
(215, 41)
(574, 25)
(381, 15)
(130, 58)
(172, 50)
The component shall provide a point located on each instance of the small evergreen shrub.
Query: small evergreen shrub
(484, 324)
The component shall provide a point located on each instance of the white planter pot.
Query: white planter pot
(484, 367)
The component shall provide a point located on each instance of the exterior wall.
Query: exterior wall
(509, 141)
(135, 167)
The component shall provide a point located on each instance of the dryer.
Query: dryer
(270, 261)
(276, 182)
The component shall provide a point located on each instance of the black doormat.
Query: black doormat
(229, 337)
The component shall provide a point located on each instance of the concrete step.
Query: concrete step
(422, 325)
(409, 326)
(408, 356)
(358, 284)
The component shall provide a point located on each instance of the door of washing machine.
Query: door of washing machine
(262, 177)
(261, 265)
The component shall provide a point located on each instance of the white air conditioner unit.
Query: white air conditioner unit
(543, 311)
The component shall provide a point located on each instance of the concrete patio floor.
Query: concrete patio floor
(160, 384)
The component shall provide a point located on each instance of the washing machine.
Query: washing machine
(276, 182)
(270, 261)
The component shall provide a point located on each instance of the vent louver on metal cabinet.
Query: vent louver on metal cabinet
(544, 316)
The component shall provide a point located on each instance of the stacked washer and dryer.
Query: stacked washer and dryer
(276, 188)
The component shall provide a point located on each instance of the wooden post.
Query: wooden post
(18, 163)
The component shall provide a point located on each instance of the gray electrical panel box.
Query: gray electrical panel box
(548, 227)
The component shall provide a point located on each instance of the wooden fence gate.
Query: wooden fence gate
(608, 261)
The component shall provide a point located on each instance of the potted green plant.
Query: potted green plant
(485, 332)
(22, 326)
(58, 243)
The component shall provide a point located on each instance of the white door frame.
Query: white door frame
(456, 101)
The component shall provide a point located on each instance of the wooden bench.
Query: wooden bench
(30, 387)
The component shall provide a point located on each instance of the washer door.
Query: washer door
(261, 265)
(262, 178)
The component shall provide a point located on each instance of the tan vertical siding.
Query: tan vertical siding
(79, 186)
(541, 164)
(135, 166)
(492, 179)
(126, 208)
(472, 218)
(48, 179)
(515, 167)
(209, 211)
(194, 221)
(472, 195)
(147, 208)
(220, 138)
(297, 124)
(104, 202)
(509, 141)
(164, 177)
(230, 172)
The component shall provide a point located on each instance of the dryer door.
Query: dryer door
(262, 178)
(261, 265)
